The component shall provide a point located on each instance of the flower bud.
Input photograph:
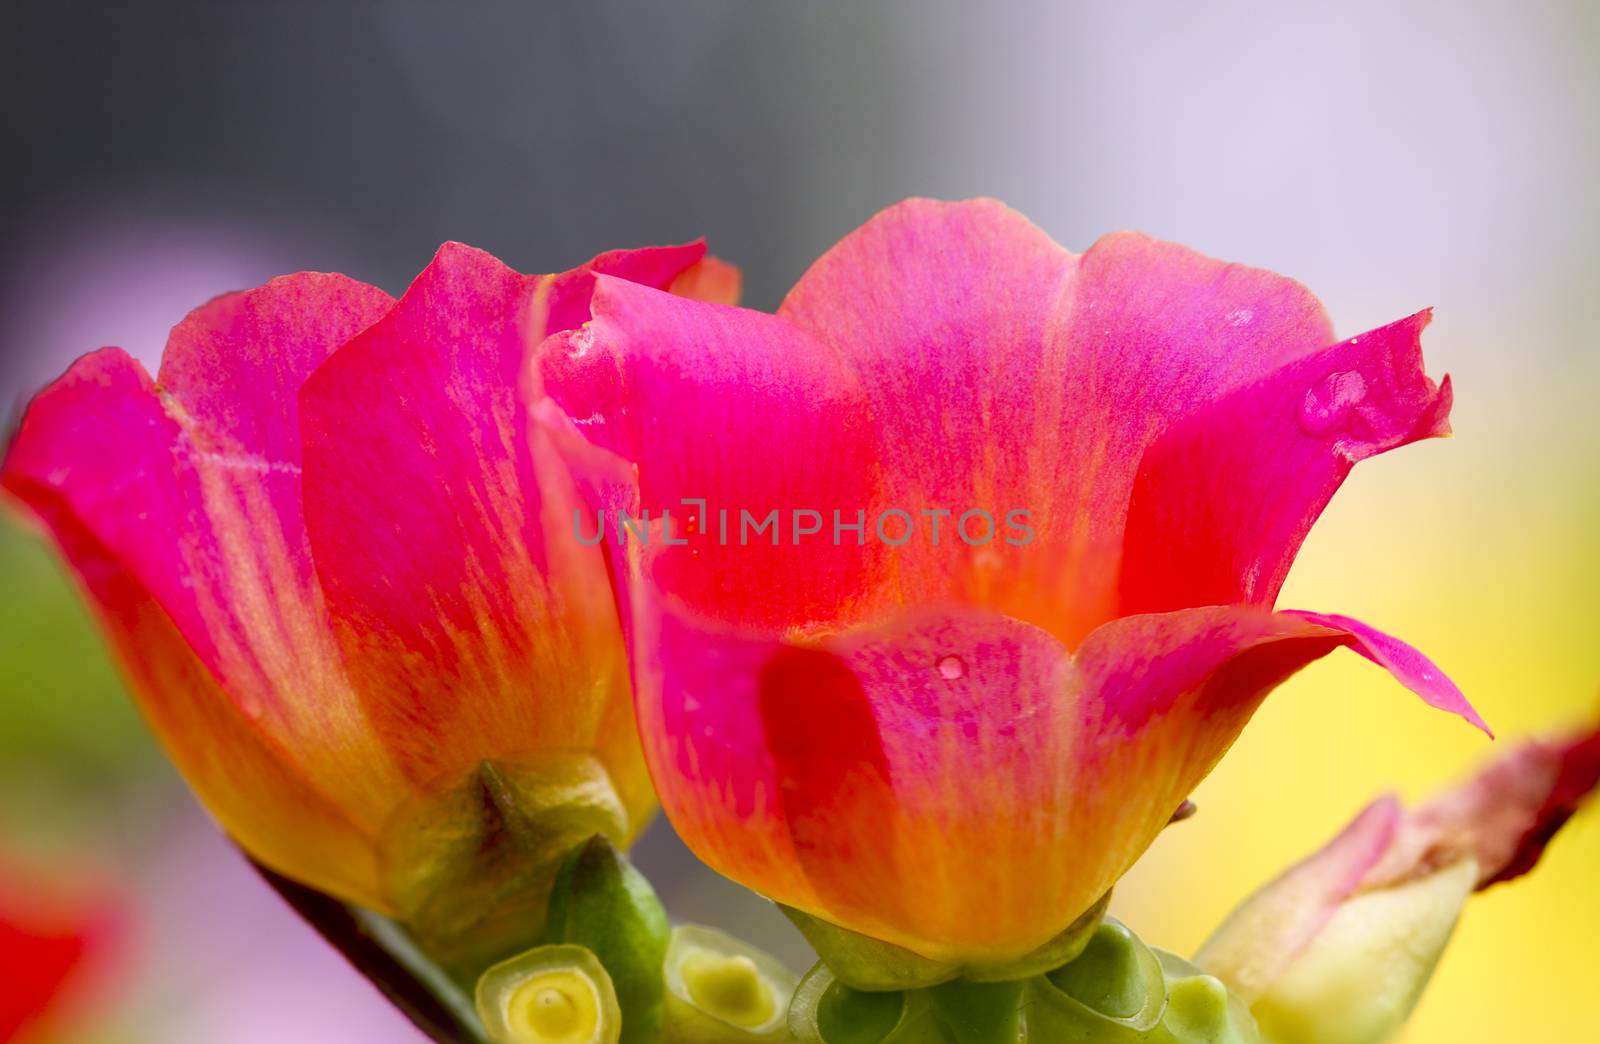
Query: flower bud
(1339, 948)
(600, 901)
(1363, 974)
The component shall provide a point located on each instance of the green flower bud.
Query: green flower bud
(1359, 979)
(723, 991)
(549, 995)
(601, 902)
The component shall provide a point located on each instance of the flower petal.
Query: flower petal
(711, 280)
(1007, 373)
(176, 542)
(955, 783)
(1412, 669)
(742, 412)
(245, 587)
(476, 627)
(1225, 497)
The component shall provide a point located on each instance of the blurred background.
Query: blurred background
(1389, 155)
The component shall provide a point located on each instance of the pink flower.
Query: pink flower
(958, 745)
(316, 543)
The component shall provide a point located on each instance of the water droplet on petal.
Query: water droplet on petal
(951, 668)
(1330, 405)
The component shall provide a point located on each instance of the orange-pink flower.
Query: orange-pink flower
(958, 744)
(316, 543)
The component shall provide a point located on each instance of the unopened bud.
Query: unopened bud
(601, 902)
(1362, 975)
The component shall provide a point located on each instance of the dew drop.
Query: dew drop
(951, 668)
(1329, 405)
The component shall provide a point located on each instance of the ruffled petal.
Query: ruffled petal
(1412, 669)
(476, 626)
(1225, 497)
(1009, 374)
(955, 783)
(181, 549)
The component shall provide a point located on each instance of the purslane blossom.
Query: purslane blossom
(1338, 949)
(958, 748)
(316, 543)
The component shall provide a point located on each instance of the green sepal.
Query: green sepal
(869, 964)
(1115, 990)
(865, 963)
(601, 902)
(470, 864)
(826, 1011)
(1058, 951)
